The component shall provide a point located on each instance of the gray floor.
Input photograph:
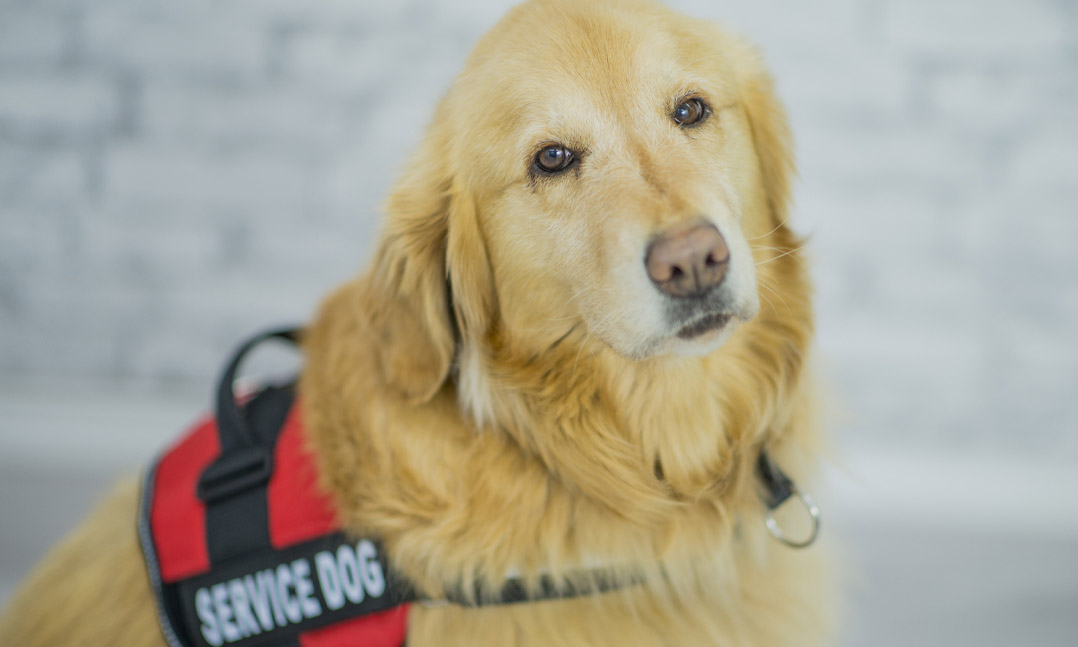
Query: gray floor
(931, 587)
(951, 569)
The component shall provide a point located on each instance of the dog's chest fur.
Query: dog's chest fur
(558, 484)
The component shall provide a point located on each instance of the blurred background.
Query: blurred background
(174, 176)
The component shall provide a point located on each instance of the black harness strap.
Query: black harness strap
(514, 590)
(233, 487)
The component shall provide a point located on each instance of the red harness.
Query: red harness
(284, 593)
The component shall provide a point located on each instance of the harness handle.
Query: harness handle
(245, 461)
(232, 428)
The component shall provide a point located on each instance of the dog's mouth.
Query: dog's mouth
(704, 324)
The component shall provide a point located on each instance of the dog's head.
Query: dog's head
(600, 166)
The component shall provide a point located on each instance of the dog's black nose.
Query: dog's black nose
(688, 262)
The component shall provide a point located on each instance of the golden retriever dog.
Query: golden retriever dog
(585, 319)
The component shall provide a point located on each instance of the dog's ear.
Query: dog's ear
(770, 133)
(430, 284)
(470, 276)
(406, 300)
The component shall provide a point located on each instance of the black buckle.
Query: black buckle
(234, 472)
(244, 463)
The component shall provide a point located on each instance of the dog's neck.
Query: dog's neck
(655, 431)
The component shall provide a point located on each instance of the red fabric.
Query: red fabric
(383, 629)
(177, 516)
(298, 509)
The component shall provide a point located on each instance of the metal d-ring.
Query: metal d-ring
(814, 512)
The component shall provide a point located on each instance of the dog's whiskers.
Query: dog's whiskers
(559, 340)
(763, 284)
(782, 255)
(776, 228)
(785, 251)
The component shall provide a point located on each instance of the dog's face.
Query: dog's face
(614, 172)
(604, 167)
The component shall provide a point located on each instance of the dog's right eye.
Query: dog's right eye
(554, 159)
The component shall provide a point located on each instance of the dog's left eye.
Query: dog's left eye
(690, 112)
(554, 159)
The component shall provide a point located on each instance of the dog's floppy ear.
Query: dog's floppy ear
(430, 284)
(470, 276)
(770, 133)
(406, 302)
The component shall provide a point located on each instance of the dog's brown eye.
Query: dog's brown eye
(690, 112)
(554, 159)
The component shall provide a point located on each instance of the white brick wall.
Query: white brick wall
(64, 105)
(174, 175)
(1007, 32)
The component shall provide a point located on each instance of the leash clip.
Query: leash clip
(778, 489)
(775, 529)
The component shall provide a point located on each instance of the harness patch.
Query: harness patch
(267, 597)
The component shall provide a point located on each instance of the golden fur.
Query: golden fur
(480, 398)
